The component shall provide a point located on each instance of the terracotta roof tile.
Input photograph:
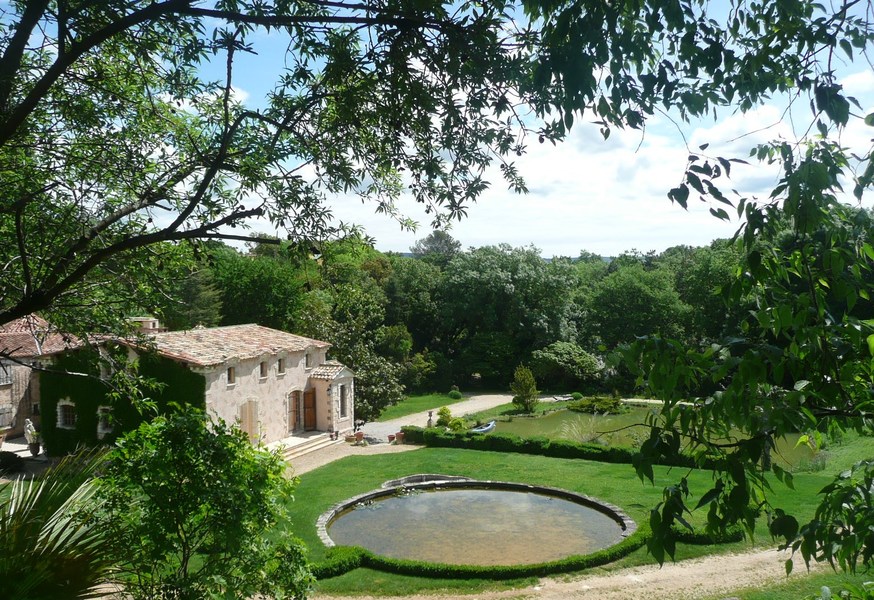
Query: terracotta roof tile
(214, 346)
(32, 336)
(327, 370)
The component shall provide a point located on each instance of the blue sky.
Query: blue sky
(588, 193)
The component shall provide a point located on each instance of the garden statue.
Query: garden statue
(32, 437)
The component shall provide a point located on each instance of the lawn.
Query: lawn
(617, 484)
(416, 404)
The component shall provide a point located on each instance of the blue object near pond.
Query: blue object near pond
(490, 426)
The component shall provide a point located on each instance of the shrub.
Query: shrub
(565, 365)
(444, 416)
(599, 404)
(11, 463)
(194, 510)
(457, 424)
(577, 396)
(454, 394)
(506, 442)
(524, 389)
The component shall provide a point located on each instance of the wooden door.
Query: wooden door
(294, 411)
(309, 410)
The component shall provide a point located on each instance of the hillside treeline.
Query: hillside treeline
(444, 316)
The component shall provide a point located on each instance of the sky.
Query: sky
(587, 193)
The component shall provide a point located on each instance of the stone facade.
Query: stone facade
(273, 383)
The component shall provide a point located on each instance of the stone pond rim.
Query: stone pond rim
(438, 482)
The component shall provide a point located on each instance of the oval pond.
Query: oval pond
(476, 527)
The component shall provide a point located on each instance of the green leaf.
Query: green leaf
(869, 119)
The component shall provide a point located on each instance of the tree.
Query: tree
(113, 137)
(411, 299)
(500, 303)
(524, 388)
(438, 248)
(801, 362)
(352, 320)
(564, 365)
(632, 301)
(196, 301)
(256, 289)
(112, 142)
(195, 511)
(50, 546)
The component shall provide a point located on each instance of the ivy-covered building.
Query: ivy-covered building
(24, 344)
(273, 383)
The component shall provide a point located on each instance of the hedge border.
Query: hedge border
(342, 559)
(539, 445)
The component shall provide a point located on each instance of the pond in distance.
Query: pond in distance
(624, 429)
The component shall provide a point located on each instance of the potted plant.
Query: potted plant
(32, 437)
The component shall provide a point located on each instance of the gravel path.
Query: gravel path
(704, 578)
(474, 404)
(378, 434)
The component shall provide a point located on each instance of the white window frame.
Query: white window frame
(344, 402)
(61, 422)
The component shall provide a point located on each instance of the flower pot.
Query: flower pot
(359, 436)
(350, 438)
(34, 448)
(399, 437)
(391, 438)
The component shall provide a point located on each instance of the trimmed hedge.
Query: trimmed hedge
(504, 442)
(10, 462)
(342, 559)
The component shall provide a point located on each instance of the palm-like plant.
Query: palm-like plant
(49, 546)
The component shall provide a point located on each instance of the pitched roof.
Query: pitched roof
(32, 336)
(214, 346)
(328, 370)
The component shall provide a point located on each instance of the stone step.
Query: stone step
(317, 443)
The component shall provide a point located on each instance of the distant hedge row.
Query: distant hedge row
(342, 559)
(504, 442)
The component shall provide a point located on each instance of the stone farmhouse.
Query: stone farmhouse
(275, 384)
(279, 387)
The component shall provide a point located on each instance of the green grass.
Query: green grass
(416, 404)
(800, 586)
(617, 484)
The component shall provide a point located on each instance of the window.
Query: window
(232, 376)
(280, 366)
(66, 414)
(5, 372)
(308, 361)
(263, 369)
(104, 421)
(344, 403)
